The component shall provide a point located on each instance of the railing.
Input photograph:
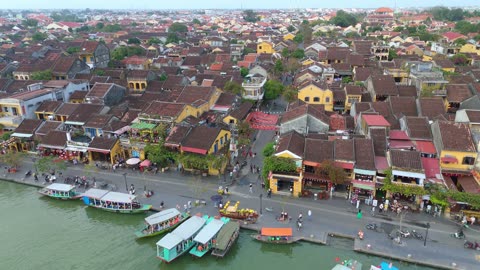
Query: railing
(11, 120)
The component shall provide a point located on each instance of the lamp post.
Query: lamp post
(34, 160)
(261, 196)
(426, 234)
(125, 177)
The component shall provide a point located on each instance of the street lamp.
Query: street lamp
(426, 234)
(125, 177)
(34, 160)
(261, 196)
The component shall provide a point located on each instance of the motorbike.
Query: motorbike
(417, 235)
(472, 245)
(458, 235)
(404, 233)
(28, 173)
(374, 227)
(299, 225)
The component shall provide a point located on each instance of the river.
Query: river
(44, 234)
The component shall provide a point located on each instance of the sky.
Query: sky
(225, 4)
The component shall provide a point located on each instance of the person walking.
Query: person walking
(251, 188)
(269, 193)
(309, 213)
(263, 185)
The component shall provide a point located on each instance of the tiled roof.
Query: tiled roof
(375, 120)
(103, 143)
(456, 136)
(384, 85)
(47, 126)
(67, 108)
(403, 105)
(55, 138)
(99, 90)
(201, 137)
(364, 154)
(98, 120)
(431, 107)
(49, 106)
(164, 109)
(473, 116)
(407, 160)
(344, 150)
(293, 142)
(407, 90)
(379, 137)
(241, 112)
(83, 112)
(28, 126)
(318, 150)
(177, 134)
(458, 92)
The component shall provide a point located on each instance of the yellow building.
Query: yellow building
(288, 36)
(470, 48)
(237, 115)
(314, 93)
(265, 47)
(307, 62)
(455, 146)
(353, 94)
(105, 149)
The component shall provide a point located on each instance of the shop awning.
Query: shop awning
(368, 185)
(194, 150)
(344, 165)
(103, 151)
(365, 172)
(52, 146)
(469, 184)
(21, 135)
(408, 174)
(74, 148)
(142, 125)
(449, 160)
(277, 231)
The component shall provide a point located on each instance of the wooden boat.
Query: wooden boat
(114, 201)
(162, 222)
(385, 266)
(180, 240)
(276, 236)
(348, 265)
(206, 238)
(61, 191)
(226, 238)
(232, 211)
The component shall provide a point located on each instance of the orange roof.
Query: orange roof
(383, 9)
(277, 231)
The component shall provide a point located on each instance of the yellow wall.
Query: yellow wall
(288, 36)
(312, 92)
(297, 186)
(459, 156)
(88, 58)
(265, 47)
(348, 105)
(116, 149)
(132, 84)
(469, 48)
(427, 58)
(308, 62)
(220, 146)
(449, 69)
(227, 119)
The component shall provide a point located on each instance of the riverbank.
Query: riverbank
(326, 221)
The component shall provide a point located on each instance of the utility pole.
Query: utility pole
(125, 177)
(426, 234)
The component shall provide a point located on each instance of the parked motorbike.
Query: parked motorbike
(417, 235)
(374, 227)
(404, 233)
(458, 235)
(28, 173)
(472, 245)
(299, 224)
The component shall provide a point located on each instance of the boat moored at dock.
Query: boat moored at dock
(180, 240)
(60, 191)
(206, 238)
(114, 201)
(276, 236)
(226, 238)
(162, 222)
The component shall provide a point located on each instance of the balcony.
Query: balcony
(11, 121)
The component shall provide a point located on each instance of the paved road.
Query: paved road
(336, 215)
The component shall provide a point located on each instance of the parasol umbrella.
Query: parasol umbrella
(145, 163)
(133, 161)
(216, 199)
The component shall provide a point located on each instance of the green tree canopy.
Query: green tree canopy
(233, 87)
(344, 19)
(72, 50)
(447, 14)
(250, 16)
(273, 89)
(154, 40)
(121, 52)
(172, 38)
(177, 27)
(392, 54)
(291, 28)
(39, 36)
(290, 94)
(298, 38)
(459, 59)
(285, 52)
(196, 21)
(12, 158)
(160, 155)
(298, 53)
(30, 23)
(278, 164)
(460, 42)
(133, 41)
(100, 25)
(269, 149)
(278, 68)
(50, 163)
(243, 71)
(112, 28)
(465, 27)
(44, 75)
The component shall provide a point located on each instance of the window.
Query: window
(259, 47)
(316, 99)
(307, 99)
(327, 99)
(468, 161)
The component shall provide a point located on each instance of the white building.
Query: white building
(253, 85)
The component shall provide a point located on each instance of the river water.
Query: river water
(44, 234)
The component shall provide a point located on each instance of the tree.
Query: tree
(273, 89)
(443, 14)
(291, 28)
(163, 77)
(247, 50)
(99, 72)
(72, 50)
(233, 87)
(398, 29)
(50, 163)
(278, 68)
(250, 16)
(12, 158)
(177, 27)
(459, 59)
(160, 155)
(285, 52)
(290, 94)
(134, 41)
(196, 21)
(100, 25)
(328, 169)
(244, 129)
(243, 71)
(465, 27)
(172, 38)
(292, 65)
(392, 54)
(298, 38)
(460, 42)
(269, 149)
(154, 40)
(30, 23)
(6, 135)
(44, 75)
(298, 53)
(344, 19)
(39, 36)
(278, 164)
(112, 28)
